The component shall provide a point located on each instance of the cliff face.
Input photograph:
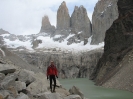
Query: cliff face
(80, 26)
(46, 26)
(63, 18)
(105, 12)
(80, 21)
(69, 65)
(115, 66)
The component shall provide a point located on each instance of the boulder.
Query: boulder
(2, 76)
(26, 76)
(75, 90)
(20, 85)
(6, 68)
(73, 97)
(37, 87)
(63, 92)
(22, 96)
(8, 81)
(49, 95)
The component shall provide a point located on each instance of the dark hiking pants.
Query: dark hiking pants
(52, 77)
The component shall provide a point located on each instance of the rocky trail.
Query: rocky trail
(18, 82)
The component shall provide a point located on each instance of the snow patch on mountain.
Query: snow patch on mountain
(47, 43)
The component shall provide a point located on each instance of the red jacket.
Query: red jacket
(51, 70)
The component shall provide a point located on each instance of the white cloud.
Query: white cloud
(24, 16)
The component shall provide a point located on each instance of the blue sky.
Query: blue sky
(24, 16)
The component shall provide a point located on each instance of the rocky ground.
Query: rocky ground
(19, 83)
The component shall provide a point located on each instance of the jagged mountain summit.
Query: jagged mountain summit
(63, 17)
(105, 12)
(46, 26)
(78, 25)
(71, 33)
(42, 42)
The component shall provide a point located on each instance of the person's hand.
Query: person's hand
(47, 78)
(56, 76)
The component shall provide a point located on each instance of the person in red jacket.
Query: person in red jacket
(52, 73)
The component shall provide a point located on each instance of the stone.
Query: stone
(8, 81)
(1, 97)
(20, 85)
(73, 97)
(63, 92)
(22, 96)
(26, 76)
(13, 91)
(46, 26)
(4, 93)
(37, 87)
(6, 68)
(36, 43)
(105, 12)
(75, 90)
(49, 95)
(63, 18)
(2, 76)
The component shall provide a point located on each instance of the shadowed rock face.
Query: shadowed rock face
(105, 12)
(63, 18)
(118, 43)
(46, 26)
(80, 21)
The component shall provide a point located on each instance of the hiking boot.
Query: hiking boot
(54, 91)
(51, 90)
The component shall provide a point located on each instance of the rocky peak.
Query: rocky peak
(3, 32)
(46, 25)
(105, 12)
(45, 21)
(63, 18)
(80, 21)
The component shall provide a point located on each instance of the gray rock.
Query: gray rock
(75, 90)
(22, 96)
(36, 43)
(8, 81)
(46, 26)
(4, 93)
(6, 68)
(80, 22)
(73, 97)
(63, 18)
(48, 95)
(26, 76)
(3, 32)
(2, 76)
(20, 85)
(105, 12)
(115, 68)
